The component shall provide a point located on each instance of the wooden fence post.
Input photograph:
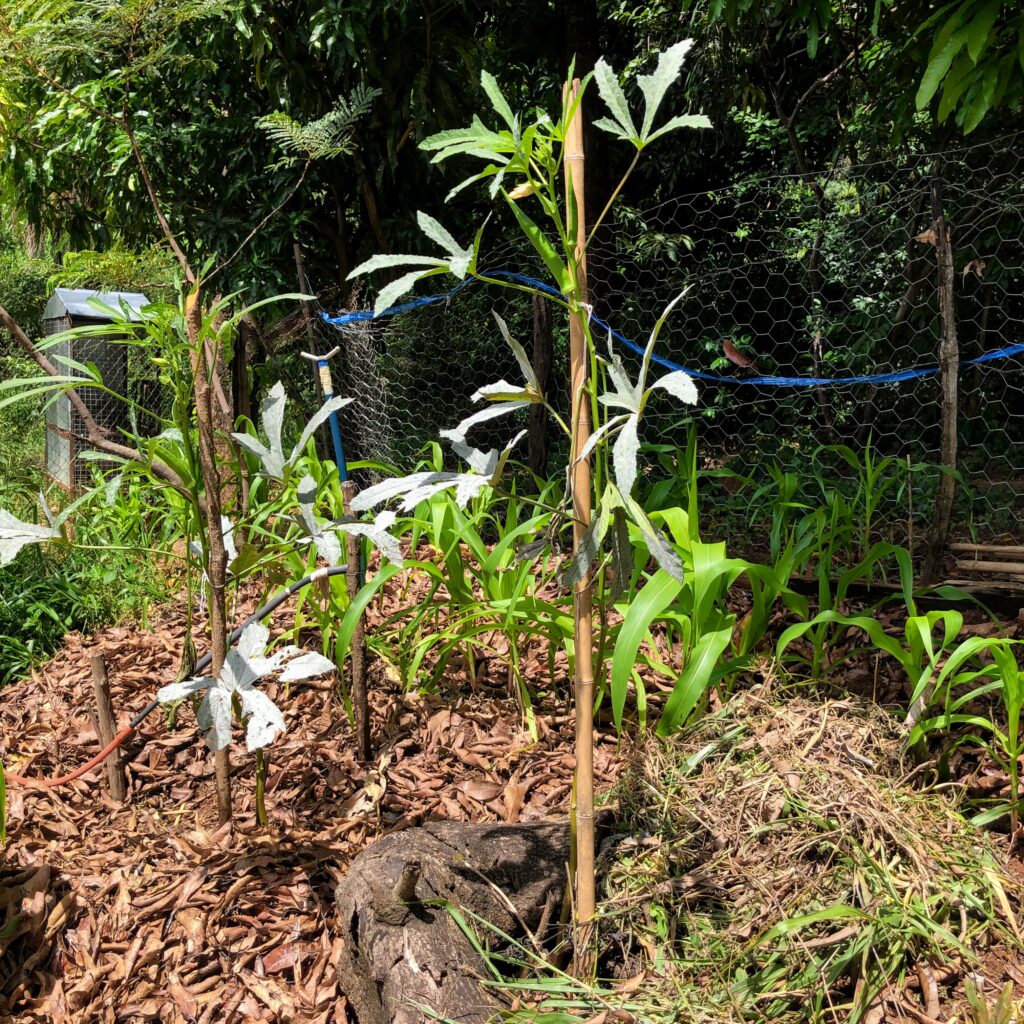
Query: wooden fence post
(949, 369)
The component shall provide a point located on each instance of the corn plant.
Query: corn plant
(692, 613)
(919, 655)
(958, 698)
(876, 480)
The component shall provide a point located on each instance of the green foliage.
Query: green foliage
(919, 656)
(45, 595)
(487, 590)
(22, 289)
(959, 709)
(202, 74)
(328, 136)
(1002, 1011)
(118, 268)
(22, 441)
(976, 60)
(973, 60)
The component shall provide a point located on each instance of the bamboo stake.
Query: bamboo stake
(581, 499)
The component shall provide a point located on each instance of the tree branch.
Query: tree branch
(825, 80)
(165, 226)
(259, 227)
(95, 434)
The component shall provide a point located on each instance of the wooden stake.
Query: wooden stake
(949, 368)
(581, 500)
(106, 727)
(360, 698)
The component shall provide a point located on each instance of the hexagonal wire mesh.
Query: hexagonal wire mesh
(828, 278)
(126, 372)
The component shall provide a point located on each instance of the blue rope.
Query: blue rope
(893, 377)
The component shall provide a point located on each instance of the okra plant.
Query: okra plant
(169, 464)
(523, 160)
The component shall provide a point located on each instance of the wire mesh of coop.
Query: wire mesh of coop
(128, 374)
(790, 279)
(80, 326)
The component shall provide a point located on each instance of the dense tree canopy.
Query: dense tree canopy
(225, 100)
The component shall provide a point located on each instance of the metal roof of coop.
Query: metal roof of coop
(75, 302)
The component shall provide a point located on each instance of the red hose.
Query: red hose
(21, 780)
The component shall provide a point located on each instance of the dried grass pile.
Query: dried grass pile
(778, 865)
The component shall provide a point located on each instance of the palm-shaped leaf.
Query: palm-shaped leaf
(14, 535)
(271, 455)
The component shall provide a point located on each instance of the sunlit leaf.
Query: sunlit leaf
(14, 535)
(656, 84)
(615, 99)
(244, 666)
(498, 101)
(271, 454)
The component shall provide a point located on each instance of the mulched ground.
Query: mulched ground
(149, 912)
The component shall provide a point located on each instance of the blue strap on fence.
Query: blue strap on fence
(893, 377)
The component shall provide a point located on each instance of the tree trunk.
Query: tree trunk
(204, 368)
(543, 347)
(949, 369)
(404, 954)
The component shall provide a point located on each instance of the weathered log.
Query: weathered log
(403, 951)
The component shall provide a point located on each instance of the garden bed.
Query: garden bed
(150, 911)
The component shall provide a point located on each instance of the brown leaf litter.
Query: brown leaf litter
(148, 911)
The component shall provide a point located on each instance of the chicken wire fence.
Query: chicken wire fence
(811, 316)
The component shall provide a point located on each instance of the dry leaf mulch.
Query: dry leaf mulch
(149, 911)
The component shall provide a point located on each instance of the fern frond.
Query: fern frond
(328, 136)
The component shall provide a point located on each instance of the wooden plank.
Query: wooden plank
(974, 565)
(1011, 551)
(999, 596)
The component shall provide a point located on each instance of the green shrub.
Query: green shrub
(22, 288)
(44, 595)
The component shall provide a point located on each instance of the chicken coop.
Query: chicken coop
(68, 308)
